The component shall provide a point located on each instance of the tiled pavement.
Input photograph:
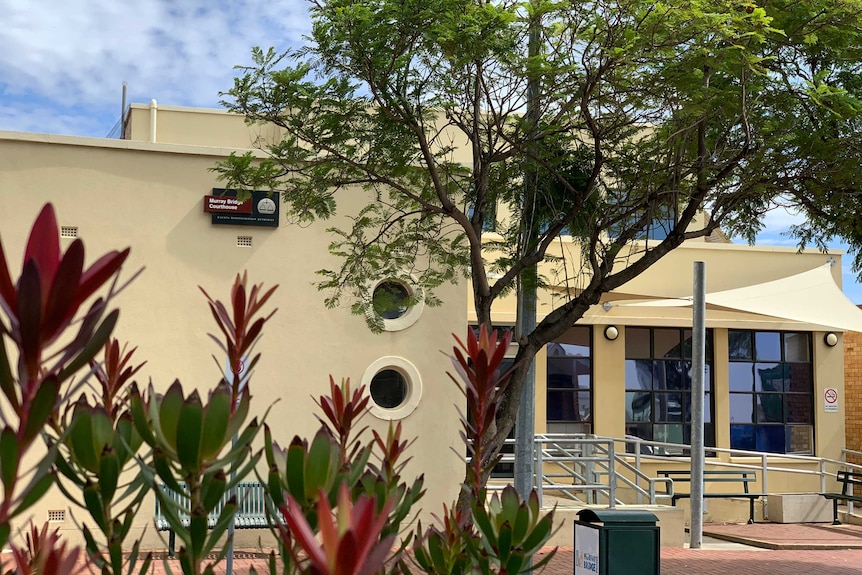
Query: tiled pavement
(798, 549)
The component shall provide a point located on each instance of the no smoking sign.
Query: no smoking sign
(830, 399)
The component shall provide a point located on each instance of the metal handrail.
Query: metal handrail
(586, 461)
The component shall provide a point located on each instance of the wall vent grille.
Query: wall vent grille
(68, 231)
(243, 241)
(57, 515)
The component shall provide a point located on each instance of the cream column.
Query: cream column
(609, 383)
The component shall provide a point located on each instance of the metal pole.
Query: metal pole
(526, 306)
(698, 356)
(525, 426)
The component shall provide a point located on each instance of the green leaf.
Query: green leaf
(214, 491)
(165, 473)
(5, 529)
(139, 416)
(8, 457)
(95, 506)
(296, 470)
(222, 523)
(189, 433)
(169, 414)
(320, 465)
(81, 442)
(103, 430)
(109, 474)
(540, 534)
(198, 531)
(35, 490)
(216, 417)
(40, 410)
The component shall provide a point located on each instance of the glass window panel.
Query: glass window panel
(741, 408)
(707, 408)
(800, 439)
(574, 343)
(561, 374)
(770, 438)
(642, 430)
(562, 406)
(741, 376)
(742, 437)
(770, 408)
(673, 375)
(637, 343)
(638, 406)
(639, 374)
(585, 408)
(799, 408)
(582, 373)
(797, 347)
(799, 378)
(769, 376)
(667, 343)
(669, 433)
(767, 346)
(739, 344)
(667, 375)
(668, 407)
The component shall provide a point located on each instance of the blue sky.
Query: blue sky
(64, 62)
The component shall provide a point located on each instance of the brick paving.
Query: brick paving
(778, 549)
(673, 562)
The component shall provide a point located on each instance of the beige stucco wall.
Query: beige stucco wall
(150, 198)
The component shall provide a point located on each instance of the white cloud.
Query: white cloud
(77, 53)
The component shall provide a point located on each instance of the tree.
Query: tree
(655, 121)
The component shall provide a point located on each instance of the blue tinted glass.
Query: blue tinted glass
(770, 438)
(639, 374)
(740, 376)
(742, 437)
(741, 408)
(767, 345)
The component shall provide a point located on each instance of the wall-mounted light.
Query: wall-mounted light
(830, 339)
(611, 332)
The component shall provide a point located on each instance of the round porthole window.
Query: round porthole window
(391, 299)
(396, 302)
(395, 387)
(388, 388)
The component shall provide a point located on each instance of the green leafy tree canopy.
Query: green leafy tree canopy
(687, 114)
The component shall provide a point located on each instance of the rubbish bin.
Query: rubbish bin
(615, 542)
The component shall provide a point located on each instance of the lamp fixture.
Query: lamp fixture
(830, 339)
(611, 332)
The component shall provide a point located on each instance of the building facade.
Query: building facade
(624, 370)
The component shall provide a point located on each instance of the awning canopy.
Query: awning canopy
(811, 297)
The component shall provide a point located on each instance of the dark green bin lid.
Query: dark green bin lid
(607, 516)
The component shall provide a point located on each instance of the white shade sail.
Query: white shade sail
(811, 297)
